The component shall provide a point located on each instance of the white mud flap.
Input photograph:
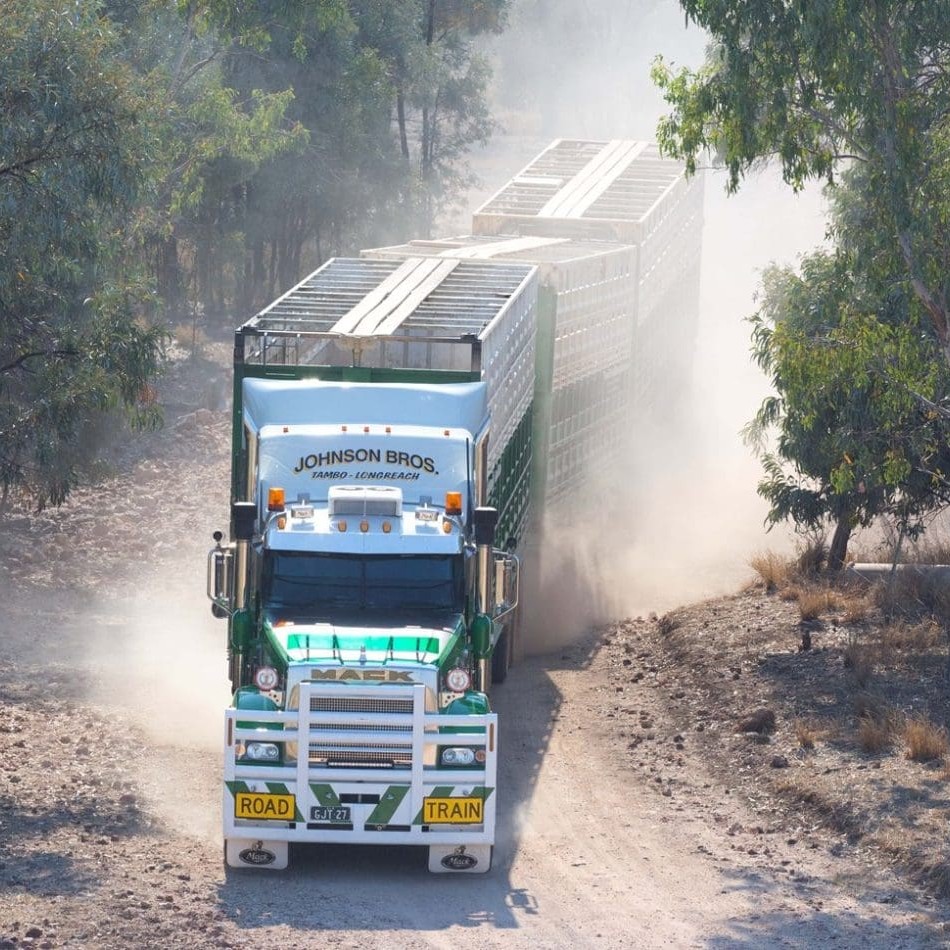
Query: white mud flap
(256, 853)
(460, 859)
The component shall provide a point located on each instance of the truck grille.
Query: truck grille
(340, 755)
(360, 704)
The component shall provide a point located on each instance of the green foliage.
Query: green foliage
(817, 84)
(72, 166)
(857, 384)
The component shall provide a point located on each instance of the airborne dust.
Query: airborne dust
(679, 520)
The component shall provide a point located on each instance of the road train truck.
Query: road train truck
(381, 466)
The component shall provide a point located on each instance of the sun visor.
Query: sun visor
(311, 402)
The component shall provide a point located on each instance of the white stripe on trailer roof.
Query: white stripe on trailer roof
(592, 180)
(400, 293)
(396, 316)
(494, 248)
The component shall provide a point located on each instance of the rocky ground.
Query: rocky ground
(815, 740)
(639, 808)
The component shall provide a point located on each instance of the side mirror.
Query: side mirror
(220, 577)
(507, 582)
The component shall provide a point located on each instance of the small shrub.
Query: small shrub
(871, 706)
(789, 593)
(771, 568)
(925, 741)
(874, 735)
(859, 660)
(856, 609)
(812, 556)
(813, 602)
(806, 734)
(667, 624)
(190, 338)
(911, 636)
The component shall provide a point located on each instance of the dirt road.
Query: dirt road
(112, 682)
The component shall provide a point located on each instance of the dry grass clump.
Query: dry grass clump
(806, 733)
(771, 568)
(929, 864)
(815, 601)
(911, 592)
(860, 660)
(928, 550)
(856, 608)
(874, 736)
(925, 740)
(878, 722)
(190, 337)
(812, 557)
(899, 635)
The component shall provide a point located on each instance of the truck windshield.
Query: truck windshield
(305, 582)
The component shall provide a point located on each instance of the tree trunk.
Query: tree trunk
(839, 544)
(401, 119)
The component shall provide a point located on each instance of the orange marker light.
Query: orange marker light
(366, 428)
(453, 502)
(343, 428)
(364, 526)
(341, 526)
(281, 522)
(447, 527)
(275, 499)
(387, 527)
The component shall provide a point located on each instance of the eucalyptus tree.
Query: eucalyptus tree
(73, 158)
(821, 85)
(391, 93)
(850, 432)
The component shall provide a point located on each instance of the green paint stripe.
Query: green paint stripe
(278, 788)
(389, 801)
(235, 787)
(325, 795)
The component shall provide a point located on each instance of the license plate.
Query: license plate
(453, 811)
(337, 814)
(264, 807)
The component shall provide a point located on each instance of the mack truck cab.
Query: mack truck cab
(368, 609)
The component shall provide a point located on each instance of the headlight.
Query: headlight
(458, 755)
(262, 751)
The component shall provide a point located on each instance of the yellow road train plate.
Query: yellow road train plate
(453, 811)
(264, 807)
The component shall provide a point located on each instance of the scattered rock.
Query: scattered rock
(779, 762)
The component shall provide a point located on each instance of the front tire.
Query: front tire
(501, 657)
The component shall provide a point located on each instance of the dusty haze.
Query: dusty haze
(582, 70)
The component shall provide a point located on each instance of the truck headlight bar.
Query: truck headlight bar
(461, 756)
(262, 752)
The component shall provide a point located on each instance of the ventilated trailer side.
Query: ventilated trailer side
(586, 321)
(625, 192)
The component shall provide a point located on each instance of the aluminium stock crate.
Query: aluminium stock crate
(626, 192)
(586, 320)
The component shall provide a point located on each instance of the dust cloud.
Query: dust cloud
(680, 519)
(161, 664)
